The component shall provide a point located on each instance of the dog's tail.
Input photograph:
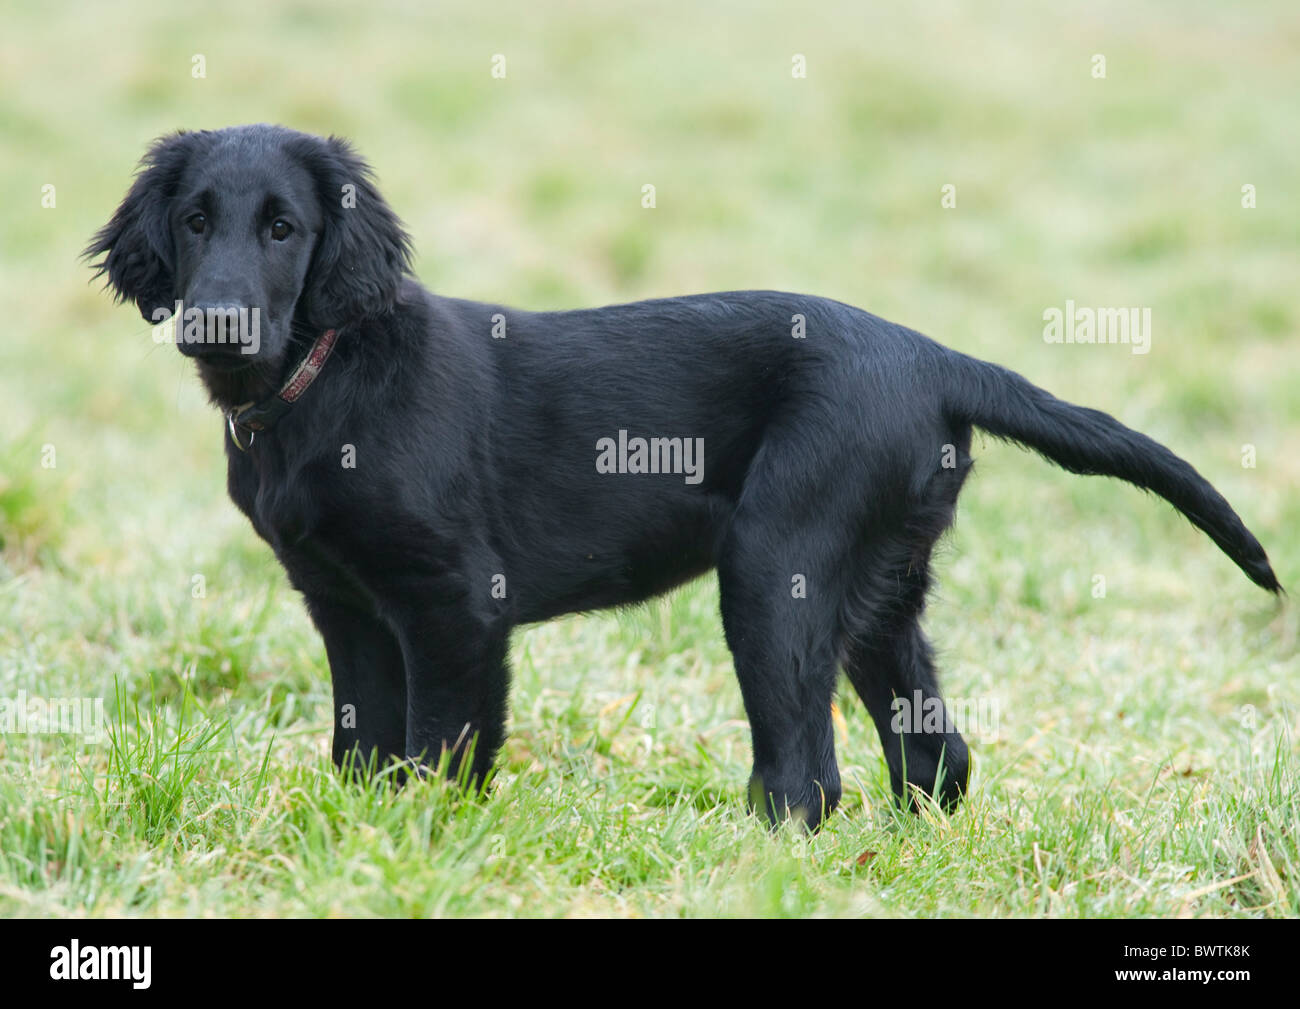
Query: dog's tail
(1090, 442)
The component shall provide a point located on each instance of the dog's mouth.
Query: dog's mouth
(232, 378)
(227, 365)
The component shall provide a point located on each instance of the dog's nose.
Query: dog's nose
(214, 329)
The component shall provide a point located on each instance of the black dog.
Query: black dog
(453, 469)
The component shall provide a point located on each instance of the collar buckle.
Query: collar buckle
(232, 426)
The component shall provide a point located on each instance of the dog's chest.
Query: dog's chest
(297, 525)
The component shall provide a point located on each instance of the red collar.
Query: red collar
(253, 417)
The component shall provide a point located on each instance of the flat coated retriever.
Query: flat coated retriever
(432, 472)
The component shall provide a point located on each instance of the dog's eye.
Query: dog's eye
(280, 230)
(196, 223)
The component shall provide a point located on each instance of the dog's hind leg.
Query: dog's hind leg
(782, 577)
(888, 659)
(895, 678)
(786, 666)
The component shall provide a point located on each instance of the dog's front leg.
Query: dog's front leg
(456, 686)
(369, 682)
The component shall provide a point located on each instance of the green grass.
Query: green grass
(1145, 760)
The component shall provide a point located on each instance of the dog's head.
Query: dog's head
(263, 236)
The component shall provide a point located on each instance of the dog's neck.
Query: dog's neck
(259, 381)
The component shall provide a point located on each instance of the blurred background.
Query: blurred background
(1117, 190)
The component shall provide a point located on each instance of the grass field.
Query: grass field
(1138, 754)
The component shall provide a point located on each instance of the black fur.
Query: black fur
(831, 464)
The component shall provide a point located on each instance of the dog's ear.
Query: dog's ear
(363, 251)
(136, 244)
